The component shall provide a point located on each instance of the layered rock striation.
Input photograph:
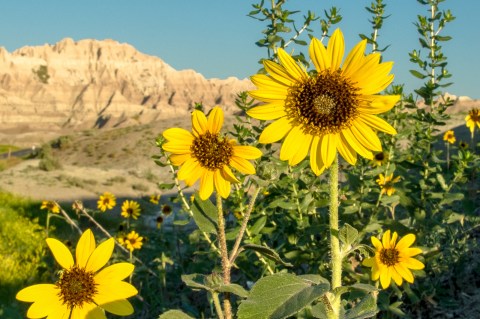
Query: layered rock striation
(90, 83)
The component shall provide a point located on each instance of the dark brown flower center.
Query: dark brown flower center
(212, 151)
(475, 115)
(130, 211)
(326, 103)
(389, 257)
(380, 156)
(77, 287)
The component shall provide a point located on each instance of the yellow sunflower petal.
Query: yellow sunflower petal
(35, 292)
(199, 123)
(94, 313)
(376, 75)
(59, 311)
(404, 272)
(221, 185)
(328, 148)
(61, 253)
(350, 138)
(206, 185)
(188, 169)
(290, 65)
(376, 243)
(278, 72)
(84, 311)
(413, 263)
(215, 120)
(376, 104)
(263, 81)
(85, 247)
(275, 131)
(118, 307)
(100, 255)
(396, 276)
(41, 309)
(366, 136)
(316, 162)
(394, 239)
(195, 175)
(270, 111)
(228, 175)
(247, 152)
(375, 272)
(178, 135)
(386, 277)
(346, 151)
(179, 159)
(336, 49)
(271, 96)
(176, 147)
(319, 56)
(354, 59)
(304, 141)
(293, 142)
(410, 252)
(376, 86)
(377, 123)
(242, 165)
(115, 272)
(112, 291)
(386, 239)
(405, 242)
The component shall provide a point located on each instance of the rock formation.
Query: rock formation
(91, 83)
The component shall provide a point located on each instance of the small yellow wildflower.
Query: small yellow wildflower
(386, 183)
(50, 206)
(393, 260)
(449, 137)
(101, 290)
(154, 199)
(380, 158)
(472, 119)
(159, 221)
(130, 209)
(106, 201)
(131, 241)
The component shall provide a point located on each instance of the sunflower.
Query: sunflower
(167, 210)
(472, 119)
(206, 155)
(386, 183)
(393, 260)
(131, 241)
(82, 291)
(449, 137)
(106, 201)
(159, 221)
(380, 158)
(155, 199)
(333, 109)
(130, 209)
(50, 206)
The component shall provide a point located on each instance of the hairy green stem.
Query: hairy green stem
(218, 306)
(226, 266)
(334, 238)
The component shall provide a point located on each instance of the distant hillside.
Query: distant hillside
(91, 83)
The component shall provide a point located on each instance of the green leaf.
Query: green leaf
(417, 74)
(258, 226)
(389, 200)
(195, 281)
(166, 185)
(181, 222)
(280, 296)
(441, 181)
(268, 253)
(366, 308)
(452, 197)
(234, 289)
(348, 235)
(175, 314)
(205, 215)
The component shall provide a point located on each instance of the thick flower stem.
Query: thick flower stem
(226, 266)
(334, 239)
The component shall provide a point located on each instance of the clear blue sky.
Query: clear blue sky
(217, 38)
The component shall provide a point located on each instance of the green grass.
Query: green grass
(22, 248)
(6, 148)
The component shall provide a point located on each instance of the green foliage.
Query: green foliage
(42, 74)
(22, 247)
(48, 161)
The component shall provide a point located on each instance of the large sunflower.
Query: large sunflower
(82, 291)
(206, 155)
(393, 260)
(334, 109)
